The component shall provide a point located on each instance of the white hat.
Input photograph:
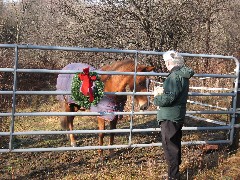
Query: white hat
(173, 56)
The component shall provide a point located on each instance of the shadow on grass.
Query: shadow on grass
(52, 165)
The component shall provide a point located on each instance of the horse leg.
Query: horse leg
(101, 126)
(70, 127)
(67, 121)
(113, 125)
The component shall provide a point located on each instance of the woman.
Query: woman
(171, 100)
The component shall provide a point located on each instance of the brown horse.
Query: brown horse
(112, 83)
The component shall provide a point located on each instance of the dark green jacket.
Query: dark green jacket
(172, 102)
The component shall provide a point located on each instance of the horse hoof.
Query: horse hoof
(73, 144)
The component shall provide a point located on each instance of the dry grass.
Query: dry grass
(228, 168)
(129, 163)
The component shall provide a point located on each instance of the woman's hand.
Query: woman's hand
(158, 90)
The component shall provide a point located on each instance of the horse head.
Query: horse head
(119, 83)
(142, 85)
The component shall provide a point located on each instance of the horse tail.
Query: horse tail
(63, 122)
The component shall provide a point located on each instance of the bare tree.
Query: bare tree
(200, 26)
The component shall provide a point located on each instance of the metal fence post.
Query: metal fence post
(235, 144)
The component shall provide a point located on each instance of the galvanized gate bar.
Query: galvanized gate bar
(227, 127)
(111, 146)
(234, 101)
(109, 93)
(28, 46)
(13, 98)
(110, 72)
(106, 113)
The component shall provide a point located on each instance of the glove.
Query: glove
(158, 90)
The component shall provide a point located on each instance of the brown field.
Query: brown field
(129, 163)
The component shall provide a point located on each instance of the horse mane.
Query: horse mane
(122, 66)
(119, 65)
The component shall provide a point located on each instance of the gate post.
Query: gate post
(235, 143)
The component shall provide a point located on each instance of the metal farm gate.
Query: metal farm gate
(232, 112)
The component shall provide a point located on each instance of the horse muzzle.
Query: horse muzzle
(144, 106)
